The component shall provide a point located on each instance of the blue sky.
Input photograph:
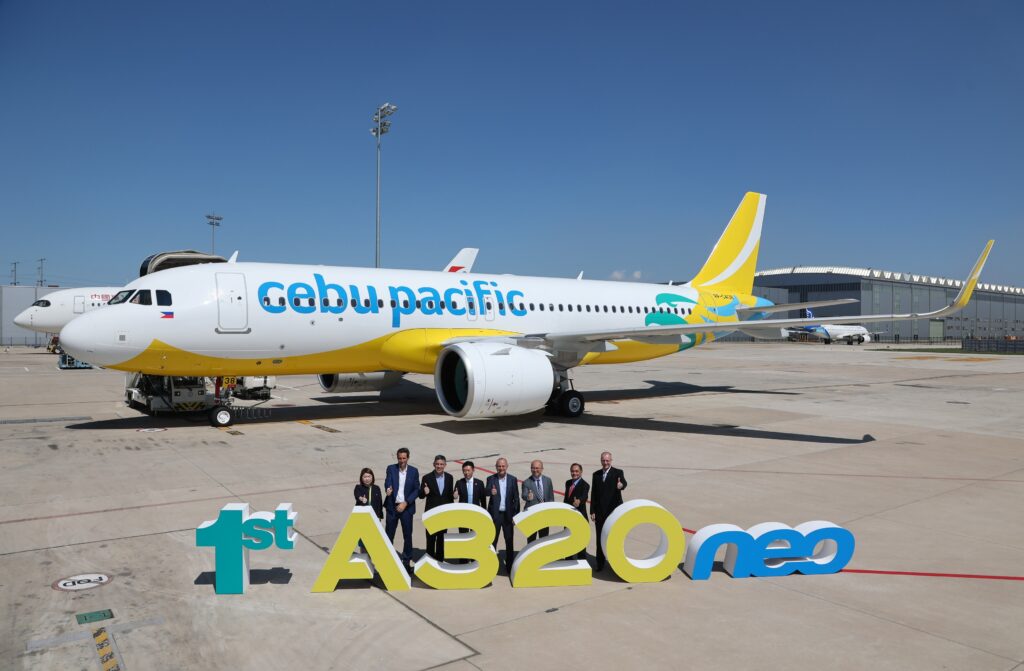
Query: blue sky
(614, 138)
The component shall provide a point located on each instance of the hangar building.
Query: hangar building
(994, 311)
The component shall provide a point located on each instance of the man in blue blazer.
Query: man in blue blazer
(401, 487)
(503, 504)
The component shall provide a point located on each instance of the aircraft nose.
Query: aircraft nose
(92, 340)
(24, 319)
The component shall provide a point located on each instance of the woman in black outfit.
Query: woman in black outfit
(368, 494)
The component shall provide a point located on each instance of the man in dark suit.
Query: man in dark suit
(438, 488)
(576, 492)
(401, 487)
(537, 489)
(605, 496)
(503, 504)
(469, 489)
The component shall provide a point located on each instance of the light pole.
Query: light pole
(214, 221)
(41, 262)
(380, 127)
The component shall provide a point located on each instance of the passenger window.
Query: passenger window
(418, 305)
(542, 307)
(405, 304)
(339, 302)
(579, 308)
(560, 308)
(613, 308)
(296, 302)
(366, 302)
(163, 297)
(455, 305)
(266, 300)
(280, 300)
(312, 302)
(327, 302)
(380, 302)
(501, 306)
(354, 302)
(630, 309)
(606, 308)
(430, 305)
(531, 307)
(588, 308)
(394, 303)
(570, 307)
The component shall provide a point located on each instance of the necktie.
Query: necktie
(540, 489)
(571, 487)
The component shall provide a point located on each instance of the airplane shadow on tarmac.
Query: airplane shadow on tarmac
(411, 398)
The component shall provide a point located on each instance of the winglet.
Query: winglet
(972, 280)
(234, 257)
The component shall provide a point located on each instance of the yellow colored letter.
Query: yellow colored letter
(344, 563)
(663, 561)
(551, 561)
(475, 546)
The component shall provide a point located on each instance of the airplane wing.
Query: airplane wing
(786, 307)
(596, 341)
(463, 261)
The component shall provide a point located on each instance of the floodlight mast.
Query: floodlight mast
(380, 127)
(214, 221)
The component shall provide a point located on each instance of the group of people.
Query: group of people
(501, 495)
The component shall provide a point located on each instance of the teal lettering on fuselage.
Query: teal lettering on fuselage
(327, 297)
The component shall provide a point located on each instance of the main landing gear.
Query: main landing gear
(565, 401)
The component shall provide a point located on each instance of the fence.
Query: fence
(998, 345)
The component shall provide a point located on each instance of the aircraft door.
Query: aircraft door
(232, 308)
(79, 304)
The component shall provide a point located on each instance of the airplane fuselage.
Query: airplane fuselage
(277, 319)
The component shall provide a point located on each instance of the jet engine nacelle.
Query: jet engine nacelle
(345, 382)
(480, 379)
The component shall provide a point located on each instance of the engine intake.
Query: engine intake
(480, 379)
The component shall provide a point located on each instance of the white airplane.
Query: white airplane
(496, 344)
(53, 311)
(830, 333)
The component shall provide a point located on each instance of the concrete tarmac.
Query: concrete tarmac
(920, 455)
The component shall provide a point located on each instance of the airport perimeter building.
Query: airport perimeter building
(994, 311)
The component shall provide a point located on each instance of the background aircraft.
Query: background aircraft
(496, 344)
(53, 311)
(832, 332)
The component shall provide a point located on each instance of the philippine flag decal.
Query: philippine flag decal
(166, 315)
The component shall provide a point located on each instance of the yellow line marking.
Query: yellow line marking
(108, 660)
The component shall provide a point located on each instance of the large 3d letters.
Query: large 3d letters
(345, 563)
(663, 561)
(474, 545)
(544, 561)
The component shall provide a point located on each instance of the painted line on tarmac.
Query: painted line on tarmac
(173, 503)
(925, 574)
(105, 649)
(42, 643)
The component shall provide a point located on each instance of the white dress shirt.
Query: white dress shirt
(400, 494)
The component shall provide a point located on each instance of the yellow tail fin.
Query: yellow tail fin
(730, 267)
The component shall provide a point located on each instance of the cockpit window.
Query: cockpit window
(163, 297)
(142, 297)
(41, 303)
(121, 296)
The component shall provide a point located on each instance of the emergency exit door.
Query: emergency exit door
(79, 305)
(232, 308)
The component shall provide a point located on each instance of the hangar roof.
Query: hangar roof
(892, 276)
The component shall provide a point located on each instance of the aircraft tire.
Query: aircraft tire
(570, 404)
(827, 341)
(221, 416)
